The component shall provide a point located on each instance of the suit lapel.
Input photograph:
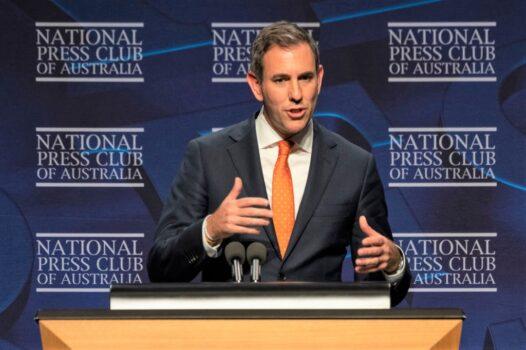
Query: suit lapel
(245, 156)
(324, 158)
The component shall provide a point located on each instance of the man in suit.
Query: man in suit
(281, 179)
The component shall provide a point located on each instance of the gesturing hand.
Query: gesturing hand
(378, 253)
(235, 215)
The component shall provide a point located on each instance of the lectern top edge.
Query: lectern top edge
(246, 286)
(402, 313)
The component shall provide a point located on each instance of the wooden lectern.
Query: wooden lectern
(255, 328)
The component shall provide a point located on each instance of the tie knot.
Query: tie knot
(284, 147)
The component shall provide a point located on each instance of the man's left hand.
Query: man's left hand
(378, 253)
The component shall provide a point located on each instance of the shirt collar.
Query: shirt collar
(268, 137)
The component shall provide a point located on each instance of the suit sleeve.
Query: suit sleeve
(177, 254)
(372, 205)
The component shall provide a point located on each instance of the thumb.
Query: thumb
(236, 189)
(364, 226)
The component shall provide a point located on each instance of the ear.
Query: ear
(319, 74)
(255, 86)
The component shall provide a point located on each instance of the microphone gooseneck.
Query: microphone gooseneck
(257, 256)
(235, 256)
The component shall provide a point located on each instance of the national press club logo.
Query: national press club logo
(450, 261)
(441, 52)
(442, 157)
(79, 52)
(73, 262)
(89, 157)
(231, 42)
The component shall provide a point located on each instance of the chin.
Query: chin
(295, 128)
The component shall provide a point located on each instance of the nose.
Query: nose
(295, 93)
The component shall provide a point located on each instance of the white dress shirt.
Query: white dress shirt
(299, 164)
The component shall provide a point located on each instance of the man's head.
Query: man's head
(286, 76)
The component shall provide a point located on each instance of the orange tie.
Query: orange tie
(283, 197)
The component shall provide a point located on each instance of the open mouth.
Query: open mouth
(296, 112)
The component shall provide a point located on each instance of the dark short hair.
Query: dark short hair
(282, 34)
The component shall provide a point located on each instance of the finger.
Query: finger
(364, 226)
(236, 189)
(252, 202)
(242, 230)
(363, 269)
(373, 241)
(255, 212)
(370, 252)
(367, 262)
(251, 222)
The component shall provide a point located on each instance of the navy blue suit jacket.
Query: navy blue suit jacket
(342, 184)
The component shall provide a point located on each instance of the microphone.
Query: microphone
(235, 255)
(257, 256)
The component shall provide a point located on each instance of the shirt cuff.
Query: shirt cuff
(211, 251)
(396, 276)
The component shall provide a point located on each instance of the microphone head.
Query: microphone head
(235, 250)
(257, 250)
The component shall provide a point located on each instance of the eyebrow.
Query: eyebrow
(280, 76)
(307, 74)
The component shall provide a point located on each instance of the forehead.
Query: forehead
(294, 59)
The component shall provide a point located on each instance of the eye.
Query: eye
(279, 80)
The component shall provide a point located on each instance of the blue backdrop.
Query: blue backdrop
(100, 98)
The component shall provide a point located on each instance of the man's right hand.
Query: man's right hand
(244, 215)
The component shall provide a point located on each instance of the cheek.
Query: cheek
(311, 93)
(276, 96)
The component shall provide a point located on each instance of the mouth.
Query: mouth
(296, 113)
